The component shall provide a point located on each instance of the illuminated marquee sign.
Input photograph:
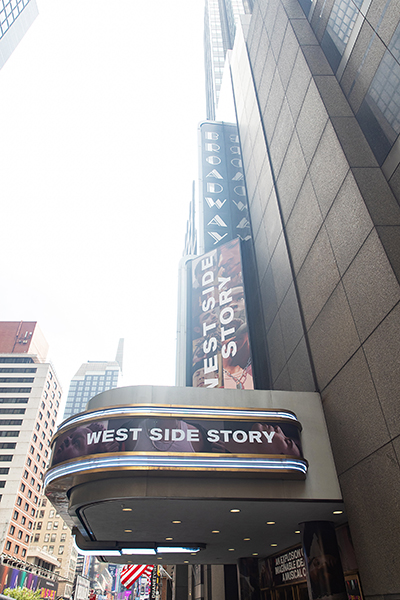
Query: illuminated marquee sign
(221, 354)
(180, 438)
(224, 209)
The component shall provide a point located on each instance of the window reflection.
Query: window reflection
(340, 25)
(379, 114)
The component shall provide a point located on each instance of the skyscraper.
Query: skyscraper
(29, 403)
(93, 377)
(316, 89)
(220, 18)
(16, 16)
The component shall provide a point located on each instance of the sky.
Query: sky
(100, 105)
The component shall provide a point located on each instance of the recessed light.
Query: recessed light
(255, 553)
(185, 561)
(169, 539)
(128, 530)
(246, 539)
(298, 531)
(274, 544)
(231, 549)
(193, 553)
(215, 531)
(177, 521)
(235, 510)
(159, 557)
(337, 512)
(270, 522)
(127, 510)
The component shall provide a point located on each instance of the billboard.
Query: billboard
(223, 199)
(11, 577)
(221, 355)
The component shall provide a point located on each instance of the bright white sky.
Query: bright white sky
(100, 104)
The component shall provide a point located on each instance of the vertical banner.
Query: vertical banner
(221, 354)
(325, 577)
(155, 584)
(224, 211)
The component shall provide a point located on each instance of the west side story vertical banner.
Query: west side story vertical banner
(221, 355)
(223, 199)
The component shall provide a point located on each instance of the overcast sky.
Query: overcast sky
(100, 104)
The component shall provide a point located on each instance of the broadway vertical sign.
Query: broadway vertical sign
(223, 203)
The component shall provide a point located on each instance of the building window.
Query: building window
(19, 536)
(46, 537)
(12, 530)
(51, 514)
(39, 525)
(22, 487)
(49, 524)
(53, 537)
(63, 537)
(26, 508)
(61, 550)
(44, 501)
(33, 512)
(55, 526)
(6, 457)
(23, 520)
(12, 411)
(51, 549)
(23, 552)
(19, 501)
(340, 25)
(30, 525)
(16, 549)
(8, 545)
(29, 493)
(16, 515)
(37, 537)
(4, 470)
(26, 538)
(26, 474)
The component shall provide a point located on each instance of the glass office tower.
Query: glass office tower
(16, 16)
(220, 19)
(93, 377)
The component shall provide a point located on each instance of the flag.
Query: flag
(130, 573)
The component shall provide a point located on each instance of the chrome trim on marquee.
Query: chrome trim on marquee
(170, 411)
(219, 462)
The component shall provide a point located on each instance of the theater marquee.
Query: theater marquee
(180, 438)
